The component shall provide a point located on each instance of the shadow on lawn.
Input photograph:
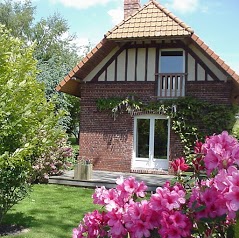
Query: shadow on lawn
(20, 219)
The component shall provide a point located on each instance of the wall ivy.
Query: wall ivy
(192, 119)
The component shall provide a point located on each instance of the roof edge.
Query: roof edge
(216, 58)
(73, 73)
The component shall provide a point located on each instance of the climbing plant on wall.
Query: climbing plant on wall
(192, 119)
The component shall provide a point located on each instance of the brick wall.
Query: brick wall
(213, 92)
(108, 142)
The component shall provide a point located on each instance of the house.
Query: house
(153, 55)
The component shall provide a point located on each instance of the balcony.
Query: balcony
(170, 85)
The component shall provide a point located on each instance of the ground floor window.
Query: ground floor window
(151, 141)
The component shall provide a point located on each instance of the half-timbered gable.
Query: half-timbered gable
(169, 64)
(153, 55)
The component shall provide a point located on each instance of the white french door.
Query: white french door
(151, 141)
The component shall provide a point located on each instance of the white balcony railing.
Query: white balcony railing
(170, 85)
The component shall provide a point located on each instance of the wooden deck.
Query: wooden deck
(108, 179)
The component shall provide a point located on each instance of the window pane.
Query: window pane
(171, 62)
(160, 139)
(143, 126)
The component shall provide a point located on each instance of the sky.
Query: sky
(216, 22)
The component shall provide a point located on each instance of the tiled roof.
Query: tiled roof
(81, 70)
(205, 48)
(152, 20)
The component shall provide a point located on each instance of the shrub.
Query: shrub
(203, 205)
(54, 161)
(14, 180)
(29, 123)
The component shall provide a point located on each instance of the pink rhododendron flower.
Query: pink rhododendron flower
(218, 150)
(233, 199)
(99, 195)
(130, 186)
(179, 165)
(223, 140)
(235, 155)
(92, 225)
(174, 224)
(166, 199)
(138, 219)
(221, 182)
(212, 161)
(116, 223)
(213, 202)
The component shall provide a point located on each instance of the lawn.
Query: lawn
(51, 211)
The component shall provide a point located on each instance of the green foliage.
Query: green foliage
(235, 129)
(196, 119)
(104, 104)
(118, 105)
(56, 55)
(14, 180)
(192, 119)
(18, 17)
(52, 37)
(51, 73)
(54, 49)
(73, 127)
(29, 123)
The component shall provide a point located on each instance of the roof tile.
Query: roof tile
(71, 73)
(75, 69)
(147, 18)
(209, 51)
(220, 61)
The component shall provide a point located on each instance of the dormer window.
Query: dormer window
(171, 76)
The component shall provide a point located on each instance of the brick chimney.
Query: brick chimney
(130, 7)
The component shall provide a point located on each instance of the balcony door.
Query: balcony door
(151, 142)
(171, 77)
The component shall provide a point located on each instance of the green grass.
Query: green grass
(51, 211)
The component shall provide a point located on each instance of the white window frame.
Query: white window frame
(167, 79)
(173, 49)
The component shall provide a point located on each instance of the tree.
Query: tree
(18, 16)
(29, 122)
(54, 49)
(74, 110)
(56, 56)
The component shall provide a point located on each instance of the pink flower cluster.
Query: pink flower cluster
(202, 206)
(219, 195)
(221, 151)
(126, 216)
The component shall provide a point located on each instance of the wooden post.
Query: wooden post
(83, 171)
